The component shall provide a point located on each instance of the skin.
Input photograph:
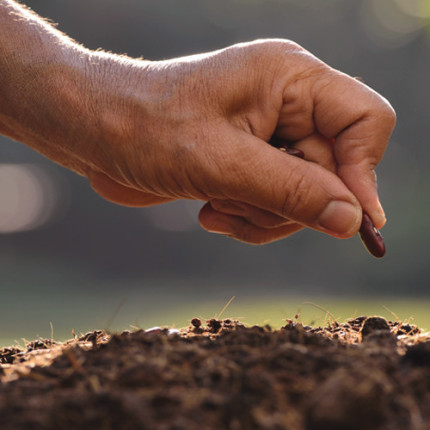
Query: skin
(149, 132)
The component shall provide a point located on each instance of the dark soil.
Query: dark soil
(367, 373)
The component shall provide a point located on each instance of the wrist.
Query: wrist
(117, 94)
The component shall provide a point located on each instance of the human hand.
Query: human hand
(199, 127)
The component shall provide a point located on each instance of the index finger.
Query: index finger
(361, 122)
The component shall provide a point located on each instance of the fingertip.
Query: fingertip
(204, 215)
(379, 219)
(214, 221)
(377, 214)
(340, 219)
(361, 180)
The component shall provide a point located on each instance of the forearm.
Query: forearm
(47, 97)
(38, 67)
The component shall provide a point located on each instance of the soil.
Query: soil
(367, 373)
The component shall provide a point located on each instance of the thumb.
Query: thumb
(293, 188)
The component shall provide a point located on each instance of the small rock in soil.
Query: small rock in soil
(372, 324)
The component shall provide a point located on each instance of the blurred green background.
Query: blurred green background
(70, 258)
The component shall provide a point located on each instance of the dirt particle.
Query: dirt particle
(408, 329)
(357, 322)
(214, 325)
(8, 355)
(372, 324)
(91, 336)
(196, 322)
(39, 344)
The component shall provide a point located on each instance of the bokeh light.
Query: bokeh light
(28, 197)
(417, 8)
(392, 24)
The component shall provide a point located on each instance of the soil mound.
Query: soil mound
(367, 373)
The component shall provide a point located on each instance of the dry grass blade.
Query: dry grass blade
(224, 308)
(327, 312)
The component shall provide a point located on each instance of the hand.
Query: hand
(198, 129)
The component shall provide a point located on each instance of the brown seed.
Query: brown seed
(371, 237)
(296, 152)
(284, 146)
(369, 234)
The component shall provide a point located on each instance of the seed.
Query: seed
(371, 237)
(284, 147)
(296, 152)
(369, 234)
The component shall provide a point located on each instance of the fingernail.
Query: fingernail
(339, 217)
(379, 218)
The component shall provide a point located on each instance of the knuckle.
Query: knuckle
(280, 45)
(270, 51)
(388, 114)
(297, 197)
(380, 109)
